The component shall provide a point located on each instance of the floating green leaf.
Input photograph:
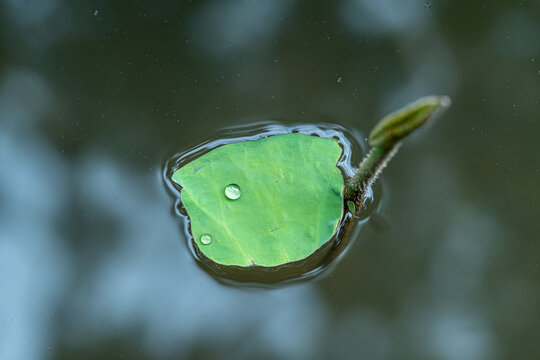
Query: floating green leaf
(290, 205)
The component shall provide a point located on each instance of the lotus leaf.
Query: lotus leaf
(264, 202)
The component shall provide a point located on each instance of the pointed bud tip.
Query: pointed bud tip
(404, 121)
(445, 101)
(436, 101)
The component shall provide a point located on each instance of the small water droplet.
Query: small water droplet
(339, 80)
(206, 239)
(232, 191)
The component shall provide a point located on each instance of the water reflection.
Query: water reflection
(30, 13)
(92, 261)
(444, 321)
(145, 278)
(377, 18)
(34, 265)
(227, 29)
(25, 98)
(148, 278)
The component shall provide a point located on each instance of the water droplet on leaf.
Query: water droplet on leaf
(206, 239)
(232, 191)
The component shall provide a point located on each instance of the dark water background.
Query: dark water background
(95, 95)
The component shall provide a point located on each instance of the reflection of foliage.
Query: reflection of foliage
(134, 82)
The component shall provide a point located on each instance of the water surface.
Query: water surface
(95, 95)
